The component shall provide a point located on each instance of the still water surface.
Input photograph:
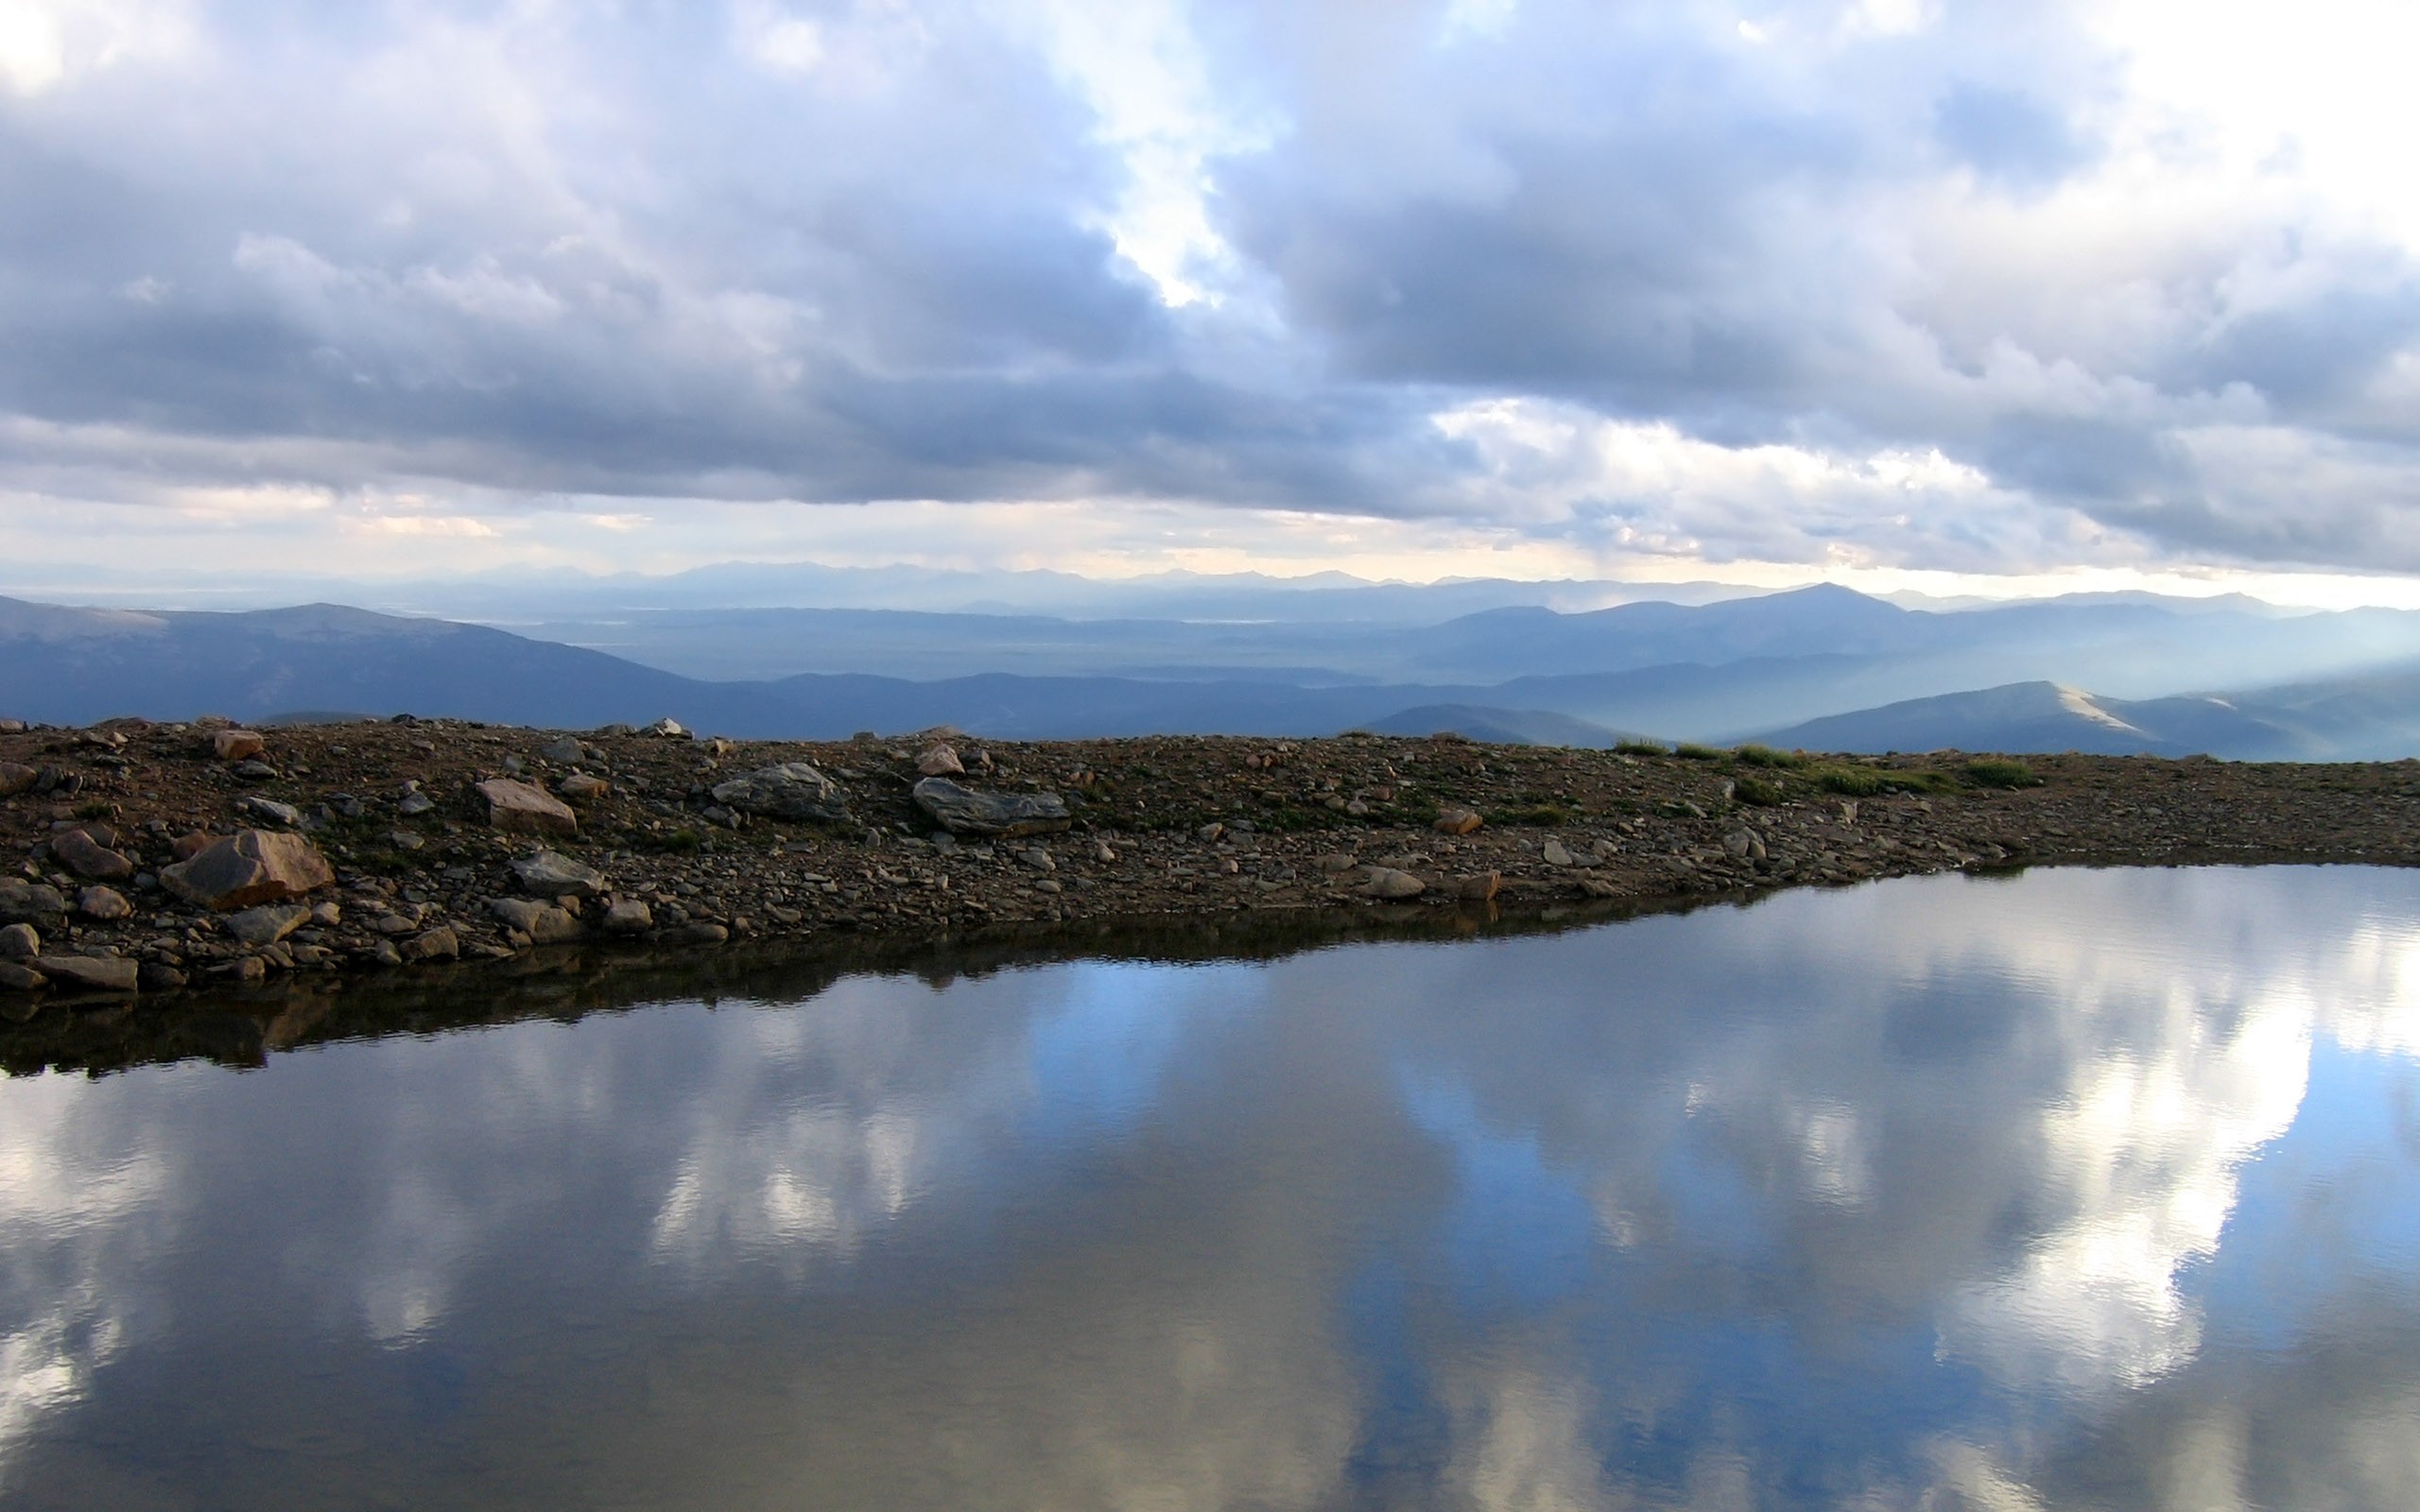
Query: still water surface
(2078, 1188)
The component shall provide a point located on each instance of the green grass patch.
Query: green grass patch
(1997, 772)
(1698, 753)
(1641, 748)
(1544, 816)
(1758, 792)
(1754, 755)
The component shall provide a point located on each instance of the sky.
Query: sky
(1905, 294)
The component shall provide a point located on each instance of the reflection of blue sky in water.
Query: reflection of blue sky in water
(1939, 1187)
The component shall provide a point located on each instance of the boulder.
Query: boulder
(19, 942)
(1458, 821)
(552, 874)
(107, 905)
(236, 745)
(88, 858)
(267, 924)
(630, 915)
(1386, 882)
(18, 978)
(248, 867)
(667, 730)
(16, 778)
(29, 902)
(793, 790)
(412, 805)
(438, 944)
(544, 923)
(965, 810)
(106, 973)
(519, 808)
(1554, 854)
(582, 786)
(940, 760)
(566, 751)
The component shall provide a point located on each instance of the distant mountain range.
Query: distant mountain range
(1821, 667)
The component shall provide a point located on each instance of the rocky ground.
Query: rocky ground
(152, 859)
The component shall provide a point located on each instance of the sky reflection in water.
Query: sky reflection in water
(2095, 1189)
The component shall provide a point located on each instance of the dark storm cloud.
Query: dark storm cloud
(871, 250)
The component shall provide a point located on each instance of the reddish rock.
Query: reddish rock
(1458, 821)
(236, 745)
(186, 847)
(247, 867)
(88, 858)
(521, 808)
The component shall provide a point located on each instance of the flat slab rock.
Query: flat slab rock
(966, 811)
(103, 972)
(552, 874)
(519, 808)
(792, 790)
(247, 867)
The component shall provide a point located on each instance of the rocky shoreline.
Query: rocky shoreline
(157, 859)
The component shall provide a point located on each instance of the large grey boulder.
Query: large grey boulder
(90, 859)
(544, 923)
(29, 902)
(793, 790)
(965, 810)
(248, 867)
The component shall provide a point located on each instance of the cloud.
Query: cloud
(1239, 257)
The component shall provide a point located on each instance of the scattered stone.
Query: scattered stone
(158, 976)
(16, 977)
(1210, 833)
(1104, 852)
(438, 944)
(1743, 845)
(269, 809)
(1386, 882)
(552, 874)
(565, 752)
(1554, 854)
(248, 867)
(236, 745)
(255, 771)
(580, 788)
(1479, 886)
(106, 904)
(412, 805)
(19, 942)
(1336, 861)
(1458, 821)
(1038, 859)
(16, 778)
(628, 916)
(247, 970)
(792, 790)
(88, 858)
(103, 973)
(940, 760)
(544, 923)
(267, 923)
(667, 730)
(966, 811)
(1599, 887)
(515, 807)
(29, 902)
